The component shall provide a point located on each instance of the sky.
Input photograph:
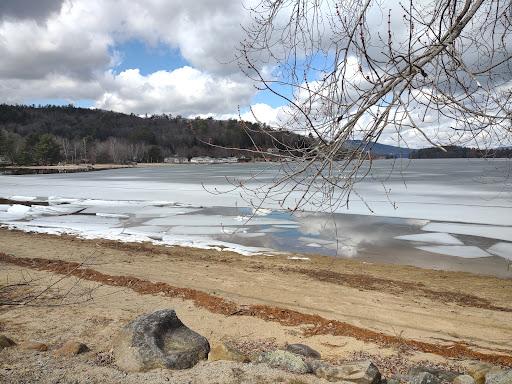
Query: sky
(132, 56)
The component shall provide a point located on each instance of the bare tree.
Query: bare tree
(361, 69)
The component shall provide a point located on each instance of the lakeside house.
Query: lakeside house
(176, 160)
(212, 160)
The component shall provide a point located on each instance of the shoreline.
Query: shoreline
(306, 297)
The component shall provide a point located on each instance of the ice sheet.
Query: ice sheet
(215, 220)
(211, 230)
(456, 250)
(41, 210)
(22, 198)
(148, 194)
(115, 215)
(435, 237)
(456, 196)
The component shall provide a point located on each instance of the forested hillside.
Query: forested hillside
(50, 134)
(452, 151)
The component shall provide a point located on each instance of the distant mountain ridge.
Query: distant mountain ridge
(379, 149)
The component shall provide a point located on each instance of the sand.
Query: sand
(339, 307)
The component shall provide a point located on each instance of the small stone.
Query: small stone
(5, 342)
(464, 379)
(284, 360)
(34, 346)
(359, 372)
(303, 350)
(424, 378)
(442, 374)
(498, 377)
(71, 348)
(477, 372)
(227, 352)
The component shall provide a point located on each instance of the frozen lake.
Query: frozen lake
(448, 214)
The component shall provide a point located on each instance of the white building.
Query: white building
(212, 160)
(175, 160)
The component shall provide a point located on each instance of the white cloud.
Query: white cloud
(264, 113)
(185, 91)
(71, 55)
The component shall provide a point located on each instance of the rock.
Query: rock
(464, 379)
(359, 372)
(477, 372)
(71, 348)
(5, 342)
(159, 340)
(442, 374)
(284, 360)
(303, 350)
(498, 377)
(34, 346)
(424, 378)
(226, 351)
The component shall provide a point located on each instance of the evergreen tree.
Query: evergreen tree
(154, 155)
(3, 143)
(47, 150)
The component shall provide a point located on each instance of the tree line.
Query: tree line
(453, 151)
(50, 134)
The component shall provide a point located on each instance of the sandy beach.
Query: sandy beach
(342, 308)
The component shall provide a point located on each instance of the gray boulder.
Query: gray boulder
(159, 340)
(359, 372)
(303, 350)
(498, 377)
(284, 360)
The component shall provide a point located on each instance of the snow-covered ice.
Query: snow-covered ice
(171, 205)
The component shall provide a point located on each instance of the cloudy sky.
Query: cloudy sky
(135, 56)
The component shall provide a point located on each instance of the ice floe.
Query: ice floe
(465, 251)
(490, 231)
(501, 249)
(434, 237)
